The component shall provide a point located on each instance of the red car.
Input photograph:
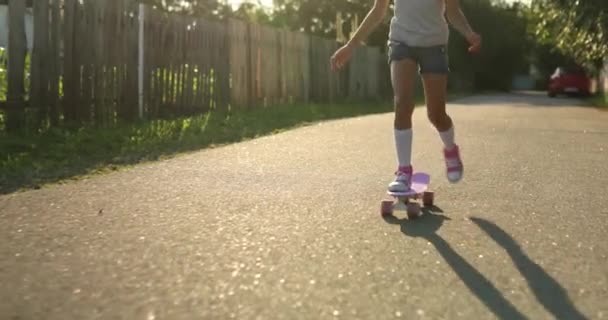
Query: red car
(569, 81)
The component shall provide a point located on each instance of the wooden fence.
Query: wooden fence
(98, 62)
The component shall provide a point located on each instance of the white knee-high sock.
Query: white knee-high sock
(403, 142)
(448, 137)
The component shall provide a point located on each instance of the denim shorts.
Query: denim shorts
(432, 59)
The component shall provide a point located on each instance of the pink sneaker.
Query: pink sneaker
(402, 181)
(453, 164)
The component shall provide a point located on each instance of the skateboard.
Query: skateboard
(418, 191)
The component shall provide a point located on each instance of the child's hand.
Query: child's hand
(474, 40)
(341, 57)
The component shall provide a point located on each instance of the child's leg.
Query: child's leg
(435, 90)
(403, 73)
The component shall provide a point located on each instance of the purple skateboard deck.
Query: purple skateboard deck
(418, 190)
(420, 183)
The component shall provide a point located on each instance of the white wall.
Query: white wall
(29, 27)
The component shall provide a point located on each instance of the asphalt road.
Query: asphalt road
(288, 226)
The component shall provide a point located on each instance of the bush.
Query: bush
(505, 49)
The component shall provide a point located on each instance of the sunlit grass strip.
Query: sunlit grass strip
(34, 159)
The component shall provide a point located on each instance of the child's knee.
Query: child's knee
(434, 117)
(438, 118)
(404, 104)
(403, 119)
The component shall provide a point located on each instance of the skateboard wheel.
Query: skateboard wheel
(386, 208)
(428, 198)
(413, 210)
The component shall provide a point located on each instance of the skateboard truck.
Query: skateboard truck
(418, 191)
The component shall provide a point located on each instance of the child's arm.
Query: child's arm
(460, 23)
(373, 18)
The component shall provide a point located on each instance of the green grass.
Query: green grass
(599, 100)
(29, 161)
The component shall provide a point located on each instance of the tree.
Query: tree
(318, 17)
(505, 51)
(252, 13)
(206, 8)
(576, 28)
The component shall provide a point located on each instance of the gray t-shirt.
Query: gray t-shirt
(419, 23)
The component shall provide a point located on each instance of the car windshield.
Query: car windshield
(572, 70)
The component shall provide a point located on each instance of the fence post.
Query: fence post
(17, 48)
(69, 100)
(39, 63)
(140, 82)
(54, 64)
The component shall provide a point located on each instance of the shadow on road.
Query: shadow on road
(426, 227)
(547, 290)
